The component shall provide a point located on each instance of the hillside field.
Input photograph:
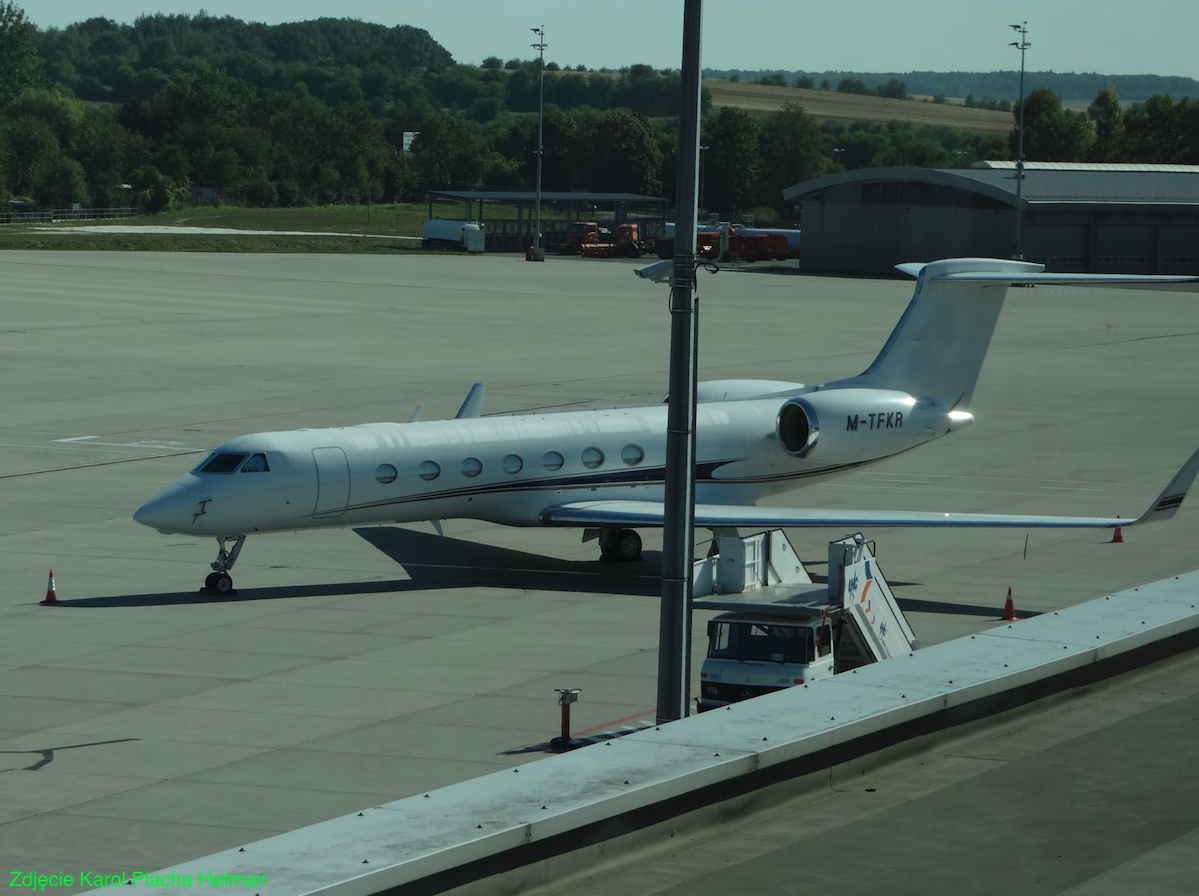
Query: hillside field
(828, 105)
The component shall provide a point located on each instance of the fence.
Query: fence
(52, 215)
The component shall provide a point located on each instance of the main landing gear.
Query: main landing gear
(219, 581)
(619, 545)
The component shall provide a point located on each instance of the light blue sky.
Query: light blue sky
(1149, 37)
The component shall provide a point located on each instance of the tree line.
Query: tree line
(316, 112)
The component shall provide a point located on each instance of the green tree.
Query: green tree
(619, 154)
(19, 63)
(1051, 133)
(59, 109)
(60, 182)
(1105, 111)
(792, 150)
(563, 157)
(894, 89)
(852, 85)
(806, 82)
(449, 154)
(1154, 131)
(30, 148)
(732, 162)
(773, 80)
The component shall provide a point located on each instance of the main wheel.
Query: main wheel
(224, 583)
(210, 583)
(626, 545)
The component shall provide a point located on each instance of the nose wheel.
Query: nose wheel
(219, 582)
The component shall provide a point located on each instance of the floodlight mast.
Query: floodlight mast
(1020, 45)
(678, 522)
(540, 46)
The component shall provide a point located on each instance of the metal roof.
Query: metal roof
(1088, 166)
(530, 196)
(1042, 186)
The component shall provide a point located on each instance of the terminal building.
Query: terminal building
(1088, 218)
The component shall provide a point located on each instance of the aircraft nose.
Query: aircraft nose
(170, 511)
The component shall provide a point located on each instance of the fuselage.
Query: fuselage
(509, 469)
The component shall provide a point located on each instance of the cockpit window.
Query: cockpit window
(256, 464)
(222, 463)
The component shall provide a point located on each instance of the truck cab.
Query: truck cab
(755, 653)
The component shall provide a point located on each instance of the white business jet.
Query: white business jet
(603, 470)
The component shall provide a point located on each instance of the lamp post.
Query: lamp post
(538, 249)
(702, 179)
(1020, 45)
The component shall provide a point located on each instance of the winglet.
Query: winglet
(1170, 499)
(473, 406)
(415, 415)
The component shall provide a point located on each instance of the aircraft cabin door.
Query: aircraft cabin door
(333, 482)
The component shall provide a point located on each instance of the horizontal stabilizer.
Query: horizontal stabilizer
(1025, 272)
(650, 513)
(473, 406)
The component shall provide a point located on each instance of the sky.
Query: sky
(1150, 37)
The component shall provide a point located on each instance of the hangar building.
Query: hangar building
(1102, 218)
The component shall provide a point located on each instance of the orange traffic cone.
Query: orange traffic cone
(51, 595)
(1118, 535)
(1009, 608)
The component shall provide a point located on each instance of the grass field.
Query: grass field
(185, 242)
(828, 105)
(379, 235)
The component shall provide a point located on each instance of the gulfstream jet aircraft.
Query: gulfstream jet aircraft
(604, 470)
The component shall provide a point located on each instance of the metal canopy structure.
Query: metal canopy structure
(507, 234)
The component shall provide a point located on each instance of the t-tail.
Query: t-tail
(937, 349)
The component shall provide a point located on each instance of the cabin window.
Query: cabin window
(428, 471)
(592, 458)
(222, 463)
(632, 455)
(256, 464)
(553, 460)
(472, 467)
(386, 473)
(512, 464)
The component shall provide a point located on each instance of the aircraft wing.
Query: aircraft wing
(650, 513)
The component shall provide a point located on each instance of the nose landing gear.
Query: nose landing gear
(219, 581)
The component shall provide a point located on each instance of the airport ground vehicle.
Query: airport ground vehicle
(725, 243)
(777, 633)
(463, 236)
(595, 241)
(626, 242)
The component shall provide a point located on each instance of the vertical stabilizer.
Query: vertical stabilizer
(937, 348)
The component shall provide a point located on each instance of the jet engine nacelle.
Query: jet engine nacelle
(855, 424)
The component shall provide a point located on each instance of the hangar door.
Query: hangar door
(333, 481)
(1179, 249)
(1062, 248)
(1125, 249)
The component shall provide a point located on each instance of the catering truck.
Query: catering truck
(780, 629)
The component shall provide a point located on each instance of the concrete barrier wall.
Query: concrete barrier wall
(515, 818)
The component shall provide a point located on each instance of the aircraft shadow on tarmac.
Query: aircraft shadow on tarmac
(435, 561)
(432, 562)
